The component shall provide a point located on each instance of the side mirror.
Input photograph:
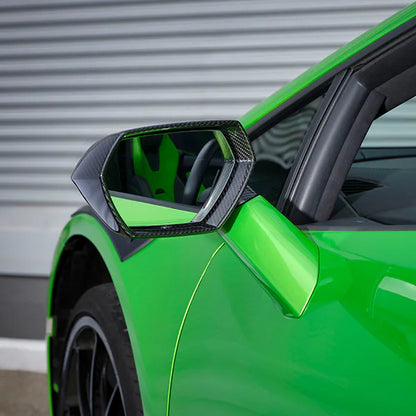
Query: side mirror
(167, 180)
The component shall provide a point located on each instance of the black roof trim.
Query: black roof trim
(304, 95)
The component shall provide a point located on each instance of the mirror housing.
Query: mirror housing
(141, 216)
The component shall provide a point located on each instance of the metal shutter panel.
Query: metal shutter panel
(72, 72)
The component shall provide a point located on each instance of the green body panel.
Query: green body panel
(154, 287)
(137, 213)
(262, 318)
(352, 352)
(382, 290)
(278, 253)
(323, 67)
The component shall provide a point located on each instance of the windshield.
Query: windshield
(276, 149)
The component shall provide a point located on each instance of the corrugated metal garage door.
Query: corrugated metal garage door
(72, 72)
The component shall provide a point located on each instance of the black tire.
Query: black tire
(98, 374)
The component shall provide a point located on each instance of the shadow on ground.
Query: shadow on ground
(23, 394)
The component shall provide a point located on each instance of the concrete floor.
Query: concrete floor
(22, 318)
(23, 394)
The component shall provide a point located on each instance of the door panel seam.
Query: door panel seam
(175, 351)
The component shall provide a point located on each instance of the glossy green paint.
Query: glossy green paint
(185, 315)
(268, 323)
(323, 67)
(382, 292)
(279, 254)
(137, 213)
(352, 352)
(154, 295)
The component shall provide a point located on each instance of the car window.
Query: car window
(276, 149)
(380, 185)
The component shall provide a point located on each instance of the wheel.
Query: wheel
(98, 373)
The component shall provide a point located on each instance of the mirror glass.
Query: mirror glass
(156, 179)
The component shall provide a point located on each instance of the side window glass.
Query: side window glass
(380, 184)
(276, 149)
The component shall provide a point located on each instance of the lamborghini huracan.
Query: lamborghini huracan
(260, 266)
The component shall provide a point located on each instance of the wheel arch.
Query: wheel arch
(152, 293)
(80, 267)
(84, 257)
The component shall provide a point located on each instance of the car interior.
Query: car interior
(377, 188)
(177, 168)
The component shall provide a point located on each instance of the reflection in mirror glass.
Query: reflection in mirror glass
(161, 179)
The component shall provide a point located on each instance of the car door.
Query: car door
(248, 347)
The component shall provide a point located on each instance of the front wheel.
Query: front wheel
(98, 373)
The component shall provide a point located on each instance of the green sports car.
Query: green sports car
(265, 266)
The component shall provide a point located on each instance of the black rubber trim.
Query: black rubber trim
(310, 139)
(346, 155)
(399, 56)
(323, 172)
(124, 245)
(381, 75)
(301, 207)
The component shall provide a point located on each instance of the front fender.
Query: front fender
(154, 287)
